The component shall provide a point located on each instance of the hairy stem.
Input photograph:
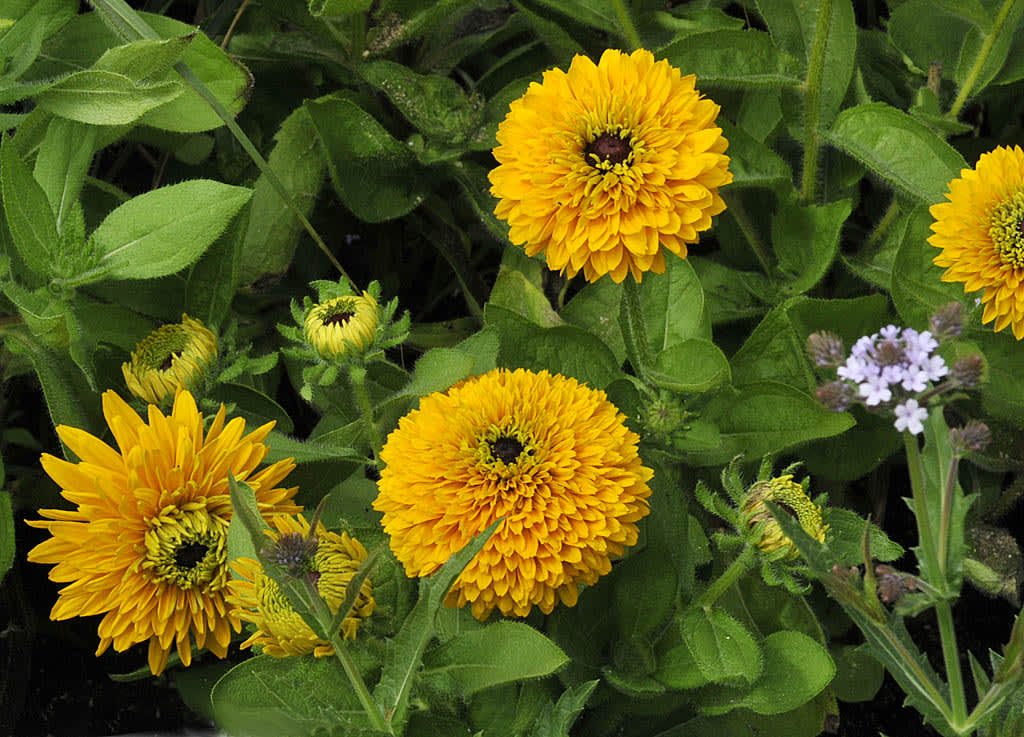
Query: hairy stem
(812, 102)
(979, 61)
(743, 563)
(951, 656)
(634, 332)
(357, 376)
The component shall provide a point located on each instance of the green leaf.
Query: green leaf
(691, 367)
(63, 160)
(678, 669)
(726, 292)
(435, 105)
(105, 98)
(559, 42)
(502, 652)
(806, 240)
(733, 59)
(405, 656)
(1002, 395)
(282, 446)
(563, 349)
(859, 675)
(373, 174)
(644, 594)
(595, 13)
(438, 369)
(253, 405)
(513, 291)
(147, 60)
(557, 721)
(6, 530)
(165, 230)
(214, 277)
(672, 305)
(338, 8)
(846, 534)
(764, 417)
(996, 49)
(299, 697)
(917, 287)
(29, 217)
(912, 158)
(925, 33)
(752, 163)
(722, 648)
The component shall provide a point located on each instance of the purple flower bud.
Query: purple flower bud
(948, 322)
(967, 371)
(971, 438)
(825, 348)
(836, 395)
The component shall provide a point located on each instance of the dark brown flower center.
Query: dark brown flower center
(339, 318)
(611, 147)
(169, 360)
(506, 449)
(188, 556)
(788, 509)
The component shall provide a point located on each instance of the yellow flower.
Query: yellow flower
(550, 455)
(172, 356)
(603, 165)
(793, 499)
(342, 324)
(332, 560)
(981, 234)
(146, 544)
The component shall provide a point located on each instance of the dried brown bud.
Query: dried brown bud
(971, 438)
(892, 585)
(825, 348)
(836, 395)
(947, 322)
(967, 372)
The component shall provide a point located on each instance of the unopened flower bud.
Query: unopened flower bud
(892, 585)
(948, 322)
(825, 348)
(967, 372)
(971, 438)
(172, 356)
(292, 551)
(342, 325)
(791, 496)
(836, 395)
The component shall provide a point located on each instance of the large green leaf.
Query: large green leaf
(722, 648)
(165, 230)
(373, 173)
(672, 304)
(911, 157)
(806, 240)
(99, 97)
(733, 59)
(502, 652)
(917, 287)
(691, 367)
(64, 158)
(6, 530)
(29, 217)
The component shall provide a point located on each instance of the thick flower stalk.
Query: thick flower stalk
(172, 356)
(146, 544)
(604, 165)
(551, 456)
(328, 559)
(981, 234)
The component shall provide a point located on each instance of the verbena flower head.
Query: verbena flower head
(145, 545)
(342, 324)
(793, 498)
(603, 165)
(551, 456)
(331, 563)
(172, 356)
(981, 234)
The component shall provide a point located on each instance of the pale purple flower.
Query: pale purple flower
(915, 379)
(889, 332)
(858, 369)
(935, 367)
(875, 391)
(909, 416)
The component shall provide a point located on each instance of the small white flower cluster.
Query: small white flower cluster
(894, 360)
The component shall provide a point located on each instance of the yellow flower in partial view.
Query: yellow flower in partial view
(342, 324)
(603, 165)
(981, 234)
(791, 496)
(146, 544)
(551, 456)
(329, 559)
(172, 356)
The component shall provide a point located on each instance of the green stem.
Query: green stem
(734, 206)
(132, 27)
(980, 59)
(357, 376)
(627, 25)
(634, 332)
(812, 102)
(359, 685)
(951, 655)
(947, 511)
(924, 524)
(883, 226)
(729, 576)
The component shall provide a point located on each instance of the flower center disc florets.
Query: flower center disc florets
(505, 451)
(187, 548)
(609, 149)
(339, 318)
(1006, 228)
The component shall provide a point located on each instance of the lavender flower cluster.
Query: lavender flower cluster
(894, 368)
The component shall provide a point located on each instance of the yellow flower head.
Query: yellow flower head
(342, 324)
(146, 543)
(332, 560)
(603, 165)
(172, 356)
(791, 496)
(548, 454)
(981, 234)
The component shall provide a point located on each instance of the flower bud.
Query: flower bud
(342, 325)
(791, 496)
(172, 356)
(893, 585)
(948, 322)
(971, 438)
(967, 371)
(825, 348)
(836, 395)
